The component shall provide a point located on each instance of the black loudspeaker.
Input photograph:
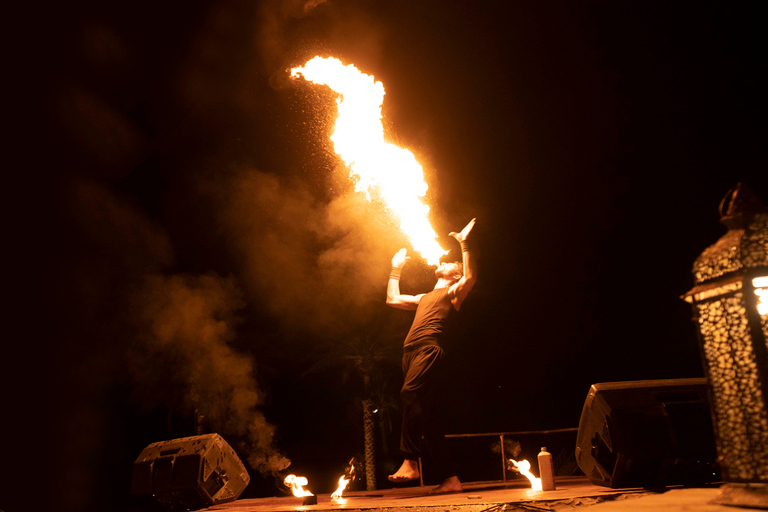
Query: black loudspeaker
(649, 433)
(188, 473)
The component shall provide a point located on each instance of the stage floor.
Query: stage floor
(479, 496)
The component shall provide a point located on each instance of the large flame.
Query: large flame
(358, 138)
(297, 484)
(524, 467)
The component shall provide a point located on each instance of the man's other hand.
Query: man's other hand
(400, 258)
(460, 237)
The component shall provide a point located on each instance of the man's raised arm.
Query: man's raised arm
(460, 290)
(394, 298)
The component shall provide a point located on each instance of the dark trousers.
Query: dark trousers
(422, 395)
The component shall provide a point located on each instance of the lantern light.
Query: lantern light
(761, 290)
(729, 306)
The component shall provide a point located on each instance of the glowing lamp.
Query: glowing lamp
(729, 308)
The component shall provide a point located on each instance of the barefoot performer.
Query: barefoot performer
(422, 356)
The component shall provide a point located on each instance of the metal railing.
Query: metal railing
(501, 436)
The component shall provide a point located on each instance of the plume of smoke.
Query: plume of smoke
(189, 321)
(175, 339)
(288, 30)
(315, 262)
(276, 230)
(512, 448)
(361, 237)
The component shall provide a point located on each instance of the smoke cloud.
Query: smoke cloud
(125, 321)
(187, 323)
(310, 263)
(142, 321)
(292, 30)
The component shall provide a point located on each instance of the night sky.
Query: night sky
(189, 240)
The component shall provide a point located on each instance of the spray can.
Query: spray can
(546, 470)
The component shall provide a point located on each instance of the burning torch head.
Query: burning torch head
(449, 270)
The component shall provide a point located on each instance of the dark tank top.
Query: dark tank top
(428, 325)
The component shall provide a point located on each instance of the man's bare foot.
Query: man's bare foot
(408, 471)
(451, 484)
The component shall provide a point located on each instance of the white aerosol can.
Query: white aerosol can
(546, 470)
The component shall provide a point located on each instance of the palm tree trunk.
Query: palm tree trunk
(370, 457)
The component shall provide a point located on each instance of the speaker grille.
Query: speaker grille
(647, 434)
(188, 473)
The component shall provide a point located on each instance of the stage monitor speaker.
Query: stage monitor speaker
(188, 473)
(649, 433)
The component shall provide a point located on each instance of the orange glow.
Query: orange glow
(761, 290)
(524, 467)
(377, 166)
(297, 483)
(343, 482)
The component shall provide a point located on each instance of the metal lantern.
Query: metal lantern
(729, 304)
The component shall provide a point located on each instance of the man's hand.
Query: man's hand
(460, 237)
(398, 261)
(394, 298)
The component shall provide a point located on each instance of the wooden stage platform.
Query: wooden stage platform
(479, 496)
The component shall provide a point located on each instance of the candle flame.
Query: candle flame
(297, 483)
(390, 172)
(524, 467)
(761, 290)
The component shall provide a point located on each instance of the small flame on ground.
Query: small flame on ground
(346, 478)
(297, 483)
(358, 138)
(524, 467)
(343, 482)
(761, 290)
